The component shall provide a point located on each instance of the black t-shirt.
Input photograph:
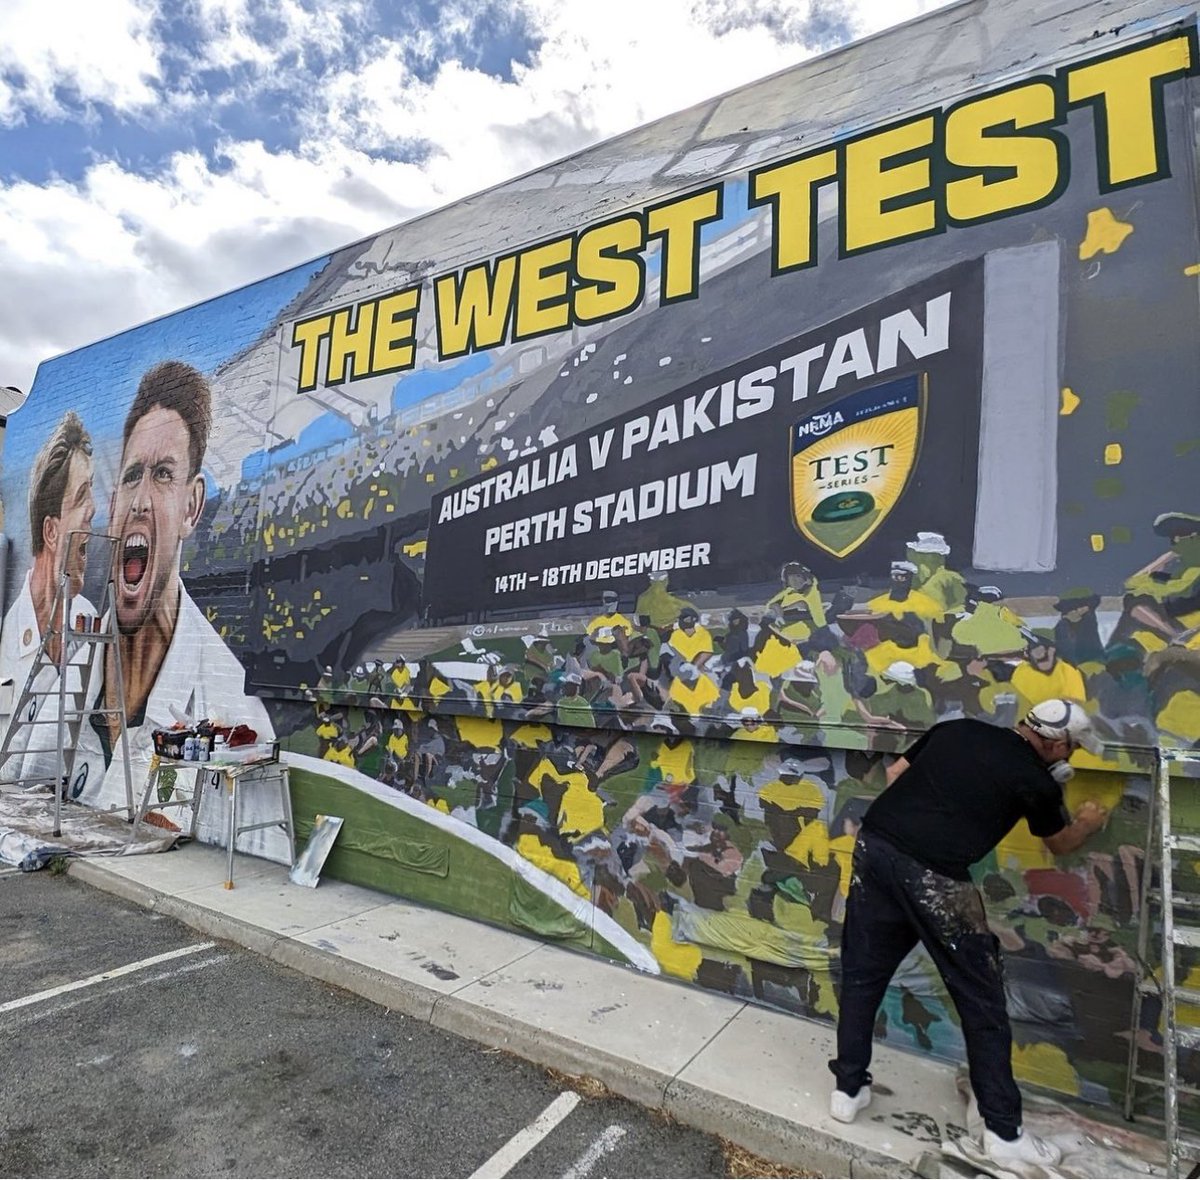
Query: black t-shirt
(967, 784)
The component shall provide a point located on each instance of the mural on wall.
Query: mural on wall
(729, 861)
(619, 554)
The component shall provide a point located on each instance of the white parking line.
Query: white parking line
(52, 1011)
(525, 1140)
(600, 1147)
(115, 973)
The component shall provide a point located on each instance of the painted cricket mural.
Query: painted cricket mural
(592, 557)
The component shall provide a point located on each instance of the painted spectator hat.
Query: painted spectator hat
(805, 672)
(900, 672)
(1076, 597)
(1176, 524)
(929, 543)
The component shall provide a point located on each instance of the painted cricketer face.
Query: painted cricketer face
(78, 509)
(156, 505)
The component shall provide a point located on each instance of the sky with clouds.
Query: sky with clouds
(154, 153)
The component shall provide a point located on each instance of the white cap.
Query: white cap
(805, 672)
(903, 567)
(751, 713)
(929, 543)
(1057, 718)
(901, 672)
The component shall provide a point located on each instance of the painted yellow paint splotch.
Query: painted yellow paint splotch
(681, 959)
(1097, 540)
(1070, 401)
(415, 549)
(1193, 270)
(1105, 234)
(1112, 454)
(1045, 1065)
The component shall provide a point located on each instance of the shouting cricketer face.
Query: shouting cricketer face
(157, 503)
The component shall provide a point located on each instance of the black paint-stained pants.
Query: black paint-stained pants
(895, 901)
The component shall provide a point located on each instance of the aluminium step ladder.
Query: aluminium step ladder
(1179, 919)
(68, 668)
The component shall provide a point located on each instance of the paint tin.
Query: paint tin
(189, 749)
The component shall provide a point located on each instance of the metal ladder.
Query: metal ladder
(71, 679)
(1161, 835)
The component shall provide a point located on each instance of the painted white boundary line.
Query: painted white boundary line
(115, 973)
(600, 1147)
(524, 1141)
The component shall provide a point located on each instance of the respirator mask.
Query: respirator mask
(1061, 772)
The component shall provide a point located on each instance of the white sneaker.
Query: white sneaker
(845, 1107)
(1020, 1152)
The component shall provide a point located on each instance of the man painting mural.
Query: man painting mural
(950, 799)
(60, 503)
(174, 663)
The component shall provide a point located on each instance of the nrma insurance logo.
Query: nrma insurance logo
(852, 461)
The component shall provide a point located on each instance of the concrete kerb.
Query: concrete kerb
(397, 995)
(774, 1137)
(93, 872)
(638, 1082)
(766, 1134)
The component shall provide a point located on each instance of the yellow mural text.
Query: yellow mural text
(362, 340)
(581, 278)
(989, 156)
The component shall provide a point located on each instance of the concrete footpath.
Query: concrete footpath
(755, 1077)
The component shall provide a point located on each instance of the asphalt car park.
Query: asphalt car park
(133, 1046)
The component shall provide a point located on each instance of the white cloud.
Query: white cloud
(95, 51)
(248, 32)
(83, 260)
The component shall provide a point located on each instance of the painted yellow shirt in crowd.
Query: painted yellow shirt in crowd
(759, 699)
(676, 765)
(693, 700)
(1032, 687)
(693, 645)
